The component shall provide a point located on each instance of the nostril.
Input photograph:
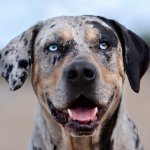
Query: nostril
(72, 74)
(89, 74)
(80, 72)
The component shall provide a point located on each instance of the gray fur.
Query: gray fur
(79, 38)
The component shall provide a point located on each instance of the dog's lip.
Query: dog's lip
(85, 121)
(84, 109)
(83, 112)
(78, 124)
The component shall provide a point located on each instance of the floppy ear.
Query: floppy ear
(136, 53)
(16, 57)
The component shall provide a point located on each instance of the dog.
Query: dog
(78, 71)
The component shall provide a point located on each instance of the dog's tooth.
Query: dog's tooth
(70, 113)
(96, 110)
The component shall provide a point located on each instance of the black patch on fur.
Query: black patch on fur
(38, 43)
(108, 56)
(3, 75)
(63, 50)
(10, 67)
(136, 138)
(6, 52)
(16, 87)
(111, 144)
(70, 45)
(25, 42)
(106, 33)
(136, 54)
(52, 25)
(6, 77)
(14, 82)
(105, 138)
(0, 56)
(56, 113)
(55, 147)
(137, 142)
(6, 66)
(83, 17)
(22, 36)
(54, 60)
(29, 52)
(9, 70)
(36, 148)
(29, 62)
(23, 63)
(23, 77)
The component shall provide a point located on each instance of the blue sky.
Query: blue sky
(17, 15)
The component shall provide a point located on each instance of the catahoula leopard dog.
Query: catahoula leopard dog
(78, 71)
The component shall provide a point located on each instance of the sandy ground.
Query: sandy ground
(17, 112)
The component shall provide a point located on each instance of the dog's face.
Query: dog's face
(77, 70)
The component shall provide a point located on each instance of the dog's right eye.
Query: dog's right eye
(53, 47)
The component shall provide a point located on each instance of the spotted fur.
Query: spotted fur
(78, 40)
(16, 58)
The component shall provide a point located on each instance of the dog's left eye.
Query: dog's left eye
(104, 45)
(53, 47)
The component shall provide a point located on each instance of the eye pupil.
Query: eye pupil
(104, 45)
(53, 47)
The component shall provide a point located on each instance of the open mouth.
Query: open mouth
(82, 116)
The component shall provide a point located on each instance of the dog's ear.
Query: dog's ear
(135, 53)
(16, 57)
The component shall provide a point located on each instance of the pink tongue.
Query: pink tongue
(83, 114)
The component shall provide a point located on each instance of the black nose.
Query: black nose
(80, 72)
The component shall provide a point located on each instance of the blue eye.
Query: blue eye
(104, 45)
(53, 47)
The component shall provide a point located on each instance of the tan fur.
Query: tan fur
(90, 34)
(78, 42)
(65, 34)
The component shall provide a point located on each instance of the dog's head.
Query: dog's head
(78, 68)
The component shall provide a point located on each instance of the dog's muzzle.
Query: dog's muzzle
(83, 113)
(81, 117)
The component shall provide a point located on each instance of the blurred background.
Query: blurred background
(17, 108)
